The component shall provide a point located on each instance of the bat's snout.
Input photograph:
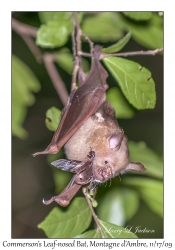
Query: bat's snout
(102, 173)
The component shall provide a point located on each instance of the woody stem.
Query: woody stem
(85, 192)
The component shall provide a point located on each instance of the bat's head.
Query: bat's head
(114, 160)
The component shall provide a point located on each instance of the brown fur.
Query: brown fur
(95, 135)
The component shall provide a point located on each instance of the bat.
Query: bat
(88, 124)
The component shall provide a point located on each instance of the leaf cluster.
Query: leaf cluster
(24, 82)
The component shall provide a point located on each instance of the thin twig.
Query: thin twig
(27, 33)
(76, 63)
(33, 48)
(78, 35)
(56, 79)
(77, 48)
(85, 192)
(91, 44)
(73, 41)
(74, 73)
(124, 54)
(24, 29)
(134, 53)
(85, 54)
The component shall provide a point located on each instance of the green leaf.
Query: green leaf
(65, 60)
(54, 34)
(24, 82)
(18, 116)
(68, 223)
(46, 16)
(148, 34)
(52, 118)
(119, 45)
(104, 27)
(122, 205)
(130, 203)
(135, 81)
(151, 191)
(92, 234)
(122, 108)
(138, 15)
(114, 231)
(139, 152)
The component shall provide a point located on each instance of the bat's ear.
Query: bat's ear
(136, 166)
(115, 140)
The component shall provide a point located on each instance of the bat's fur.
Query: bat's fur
(95, 134)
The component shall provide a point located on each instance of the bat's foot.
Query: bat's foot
(60, 200)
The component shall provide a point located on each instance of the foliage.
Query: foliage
(120, 104)
(23, 82)
(62, 224)
(135, 81)
(119, 45)
(134, 90)
(52, 118)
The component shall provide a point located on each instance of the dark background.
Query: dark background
(32, 178)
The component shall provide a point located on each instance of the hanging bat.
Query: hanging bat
(88, 123)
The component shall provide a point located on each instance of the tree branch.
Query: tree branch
(134, 53)
(91, 44)
(56, 79)
(33, 48)
(77, 48)
(27, 33)
(24, 29)
(124, 54)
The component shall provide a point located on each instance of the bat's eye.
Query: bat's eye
(106, 162)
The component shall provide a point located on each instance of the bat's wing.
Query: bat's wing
(68, 165)
(82, 104)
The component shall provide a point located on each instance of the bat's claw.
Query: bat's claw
(47, 202)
